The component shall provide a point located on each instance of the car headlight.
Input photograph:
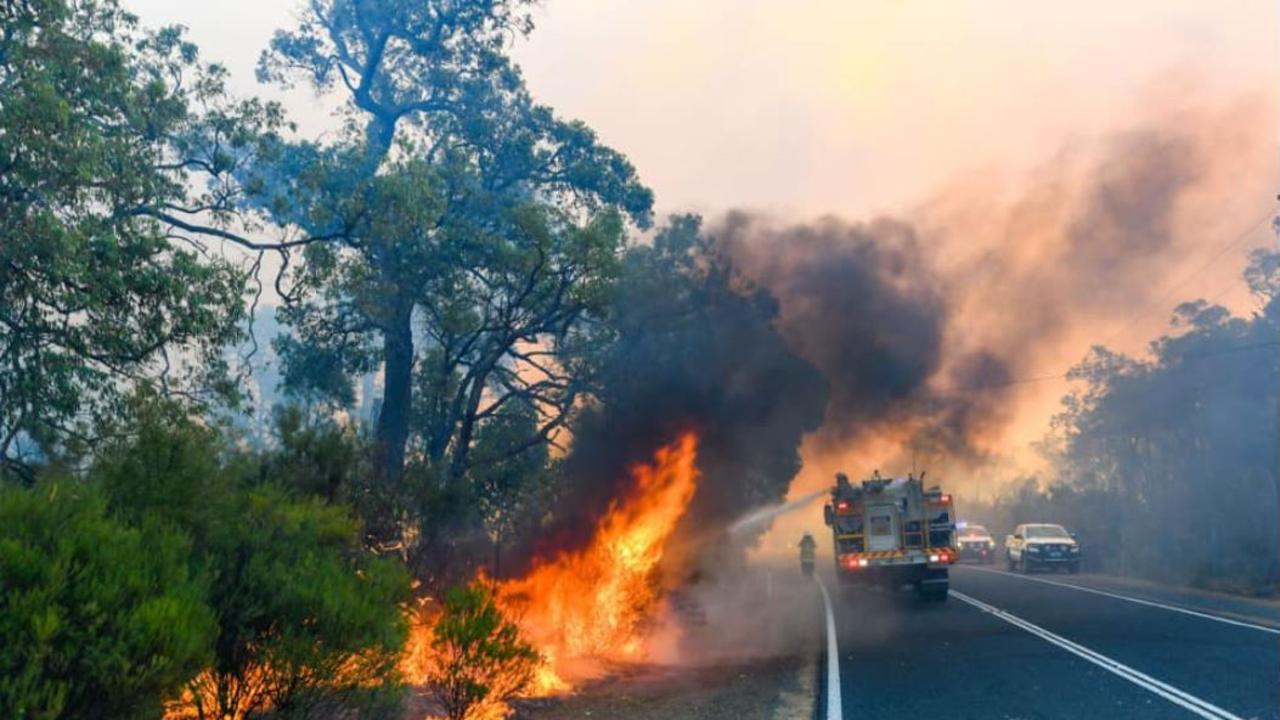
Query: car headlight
(1075, 548)
(1033, 548)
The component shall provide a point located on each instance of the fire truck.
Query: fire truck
(892, 532)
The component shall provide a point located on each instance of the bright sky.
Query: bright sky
(846, 106)
(807, 107)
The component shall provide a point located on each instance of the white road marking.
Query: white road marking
(1203, 708)
(1139, 601)
(834, 711)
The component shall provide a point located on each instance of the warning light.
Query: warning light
(945, 498)
(842, 505)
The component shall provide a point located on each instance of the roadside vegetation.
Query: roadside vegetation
(1167, 468)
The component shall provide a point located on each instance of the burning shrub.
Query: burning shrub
(481, 661)
(96, 619)
(595, 603)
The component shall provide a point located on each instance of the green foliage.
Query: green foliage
(316, 456)
(478, 230)
(306, 619)
(510, 486)
(96, 619)
(102, 129)
(481, 657)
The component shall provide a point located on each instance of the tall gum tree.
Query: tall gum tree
(478, 230)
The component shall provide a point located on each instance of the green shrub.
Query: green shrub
(307, 619)
(96, 620)
(480, 656)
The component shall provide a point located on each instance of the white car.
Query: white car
(1042, 545)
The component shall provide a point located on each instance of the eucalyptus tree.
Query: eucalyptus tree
(478, 229)
(118, 153)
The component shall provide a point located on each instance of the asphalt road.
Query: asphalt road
(1009, 646)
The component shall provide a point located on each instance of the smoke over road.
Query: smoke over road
(926, 325)
(865, 305)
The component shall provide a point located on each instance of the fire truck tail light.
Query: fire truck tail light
(842, 505)
(934, 557)
(862, 562)
(945, 498)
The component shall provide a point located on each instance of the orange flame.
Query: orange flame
(594, 604)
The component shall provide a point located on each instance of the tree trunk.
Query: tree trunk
(460, 461)
(397, 397)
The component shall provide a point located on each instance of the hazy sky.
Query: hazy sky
(834, 106)
(802, 108)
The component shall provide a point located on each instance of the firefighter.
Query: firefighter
(807, 547)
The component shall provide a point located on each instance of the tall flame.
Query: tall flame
(593, 604)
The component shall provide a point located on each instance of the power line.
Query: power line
(1177, 287)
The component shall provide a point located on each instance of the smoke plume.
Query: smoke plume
(943, 331)
(694, 348)
(865, 304)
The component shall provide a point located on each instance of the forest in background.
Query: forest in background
(1166, 468)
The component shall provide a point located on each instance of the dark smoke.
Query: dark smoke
(1127, 213)
(864, 304)
(695, 348)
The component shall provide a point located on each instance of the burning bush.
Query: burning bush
(594, 604)
(575, 610)
(479, 659)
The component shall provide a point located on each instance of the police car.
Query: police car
(975, 543)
